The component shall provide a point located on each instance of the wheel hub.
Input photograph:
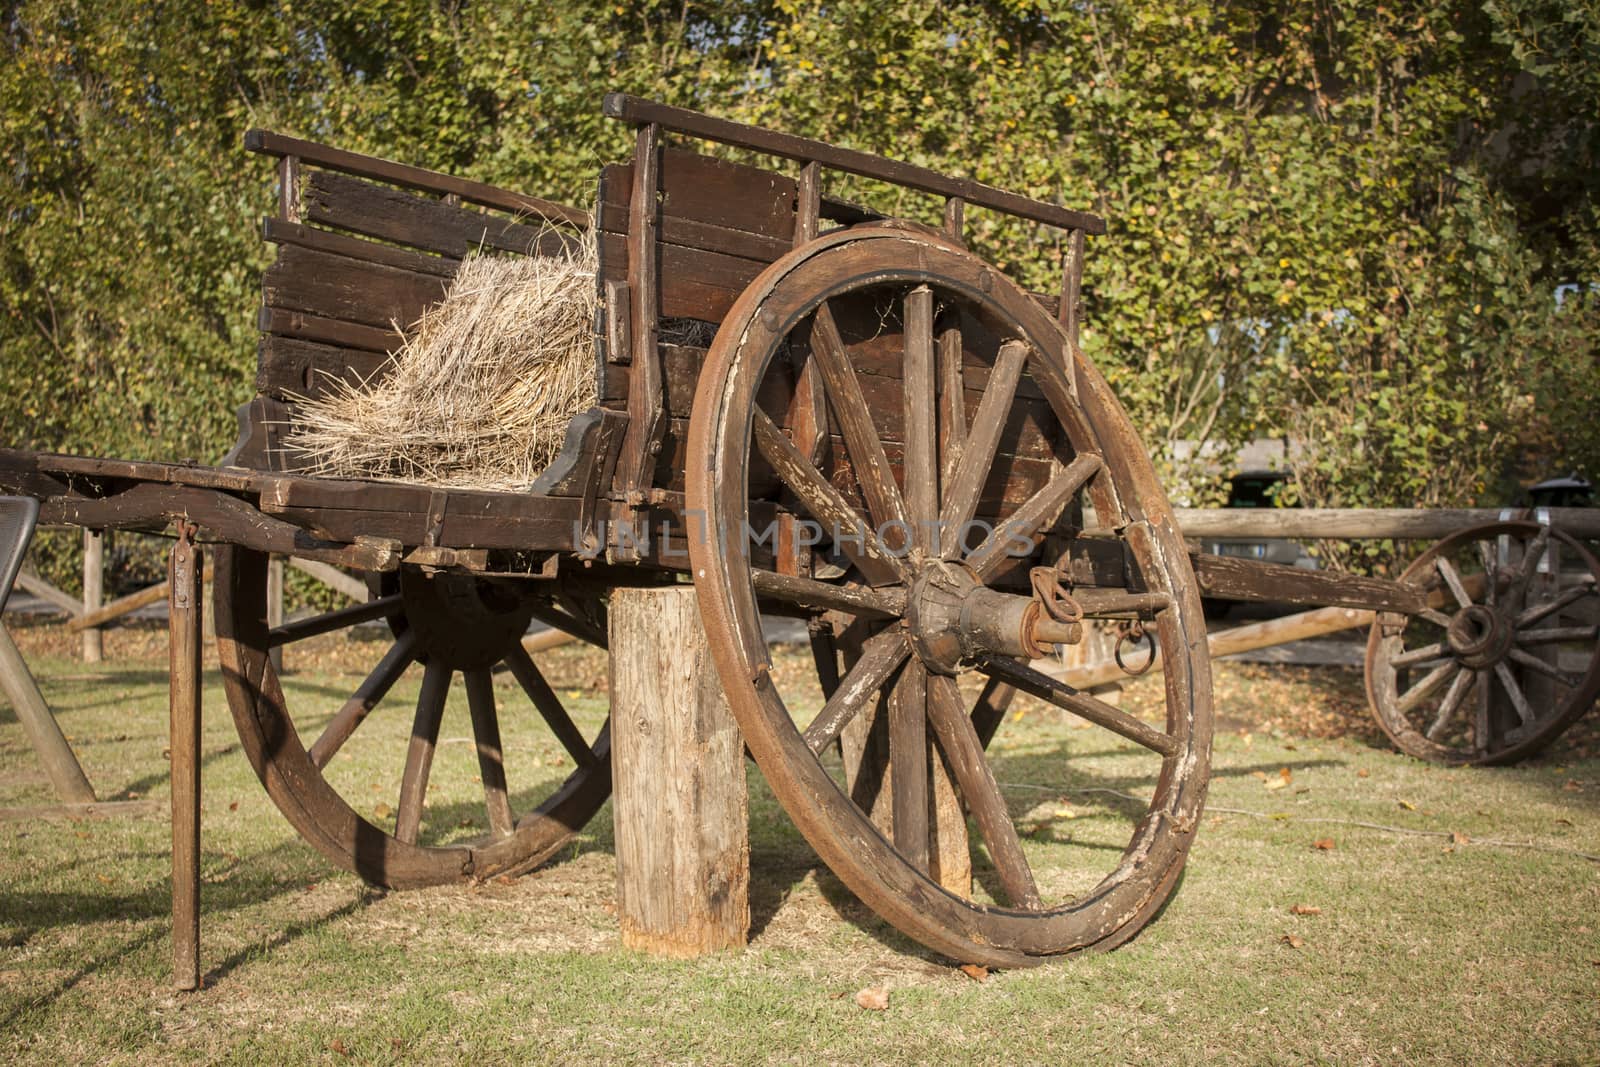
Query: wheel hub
(1478, 637)
(955, 620)
(467, 622)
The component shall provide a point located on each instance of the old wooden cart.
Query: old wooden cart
(888, 439)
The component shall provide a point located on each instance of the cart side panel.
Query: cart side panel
(358, 263)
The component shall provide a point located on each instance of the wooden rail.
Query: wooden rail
(1370, 523)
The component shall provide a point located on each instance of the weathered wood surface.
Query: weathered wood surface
(1242, 579)
(184, 608)
(1360, 523)
(94, 577)
(44, 734)
(802, 150)
(679, 801)
(1298, 627)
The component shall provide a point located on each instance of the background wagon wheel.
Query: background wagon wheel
(1505, 660)
(998, 435)
(451, 625)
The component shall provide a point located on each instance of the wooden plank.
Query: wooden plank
(265, 141)
(1241, 579)
(700, 188)
(337, 287)
(287, 368)
(1368, 523)
(333, 578)
(683, 852)
(430, 225)
(336, 332)
(279, 231)
(694, 284)
(803, 150)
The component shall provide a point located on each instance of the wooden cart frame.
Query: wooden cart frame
(888, 438)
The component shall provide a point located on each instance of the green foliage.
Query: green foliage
(1339, 222)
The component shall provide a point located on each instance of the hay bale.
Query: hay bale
(481, 394)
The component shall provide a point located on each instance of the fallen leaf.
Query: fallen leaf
(873, 998)
(103, 878)
(1323, 843)
(1363, 773)
(1305, 909)
(338, 1046)
(1283, 772)
(1407, 805)
(1573, 787)
(1292, 941)
(974, 972)
(1448, 848)
(235, 805)
(1275, 783)
(1459, 838)
(382, 811)
(1259, 774)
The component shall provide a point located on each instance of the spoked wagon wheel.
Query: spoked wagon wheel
(450, 625)
(1507, 659)
(936, 499)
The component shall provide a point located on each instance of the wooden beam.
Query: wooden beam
(333, 578)
(44, 733)
(94, 576)
(36, 586)
(123, 605)
(1369, 523)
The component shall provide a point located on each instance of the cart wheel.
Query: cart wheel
(1505, 659)
(449, 624)
(915, 612)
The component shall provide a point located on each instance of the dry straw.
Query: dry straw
(481, 393)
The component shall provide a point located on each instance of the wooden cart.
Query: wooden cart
(888, 439)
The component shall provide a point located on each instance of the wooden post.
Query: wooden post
(93, 589)
(679, 803)
(183, 632)
(275, 607)
(44, 734)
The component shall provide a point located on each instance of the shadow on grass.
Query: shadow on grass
(220, 895)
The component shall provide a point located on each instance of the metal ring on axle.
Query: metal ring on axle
(1134, 633)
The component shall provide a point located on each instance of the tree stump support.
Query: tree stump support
(679, 801)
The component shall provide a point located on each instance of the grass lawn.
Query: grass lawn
(1411, 947)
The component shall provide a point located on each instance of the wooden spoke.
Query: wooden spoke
(990, 710)
(1430, 681)
(366, 697)
(1079, 703)
(921, 464)
(856, 600)
(1447, 571)
(1451, 703)
(824, 502)
(328, 622)
(549, 705)
(1419, 655)
(988, 422)
(908, 758)
(419, 754)
(952, 402)
(1519, 699)
(1483, 702)
(980, 791)
(491, 758)
(1557, 633)
(1542, 611)
(849, 405)
(1438, 618)
(1487, 553)
(1549, 670)
(881, 656)
(1027, 523)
